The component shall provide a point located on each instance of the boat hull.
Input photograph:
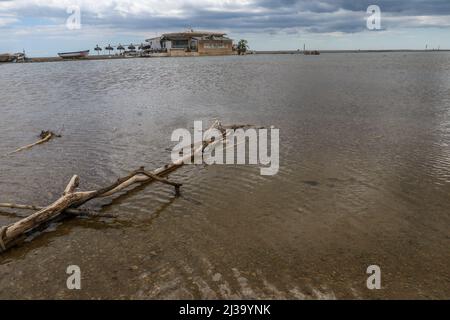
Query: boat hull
(74, 55)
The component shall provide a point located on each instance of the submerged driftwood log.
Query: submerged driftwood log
(36, 208)
(45, 136)
(79, 212)
(71, 199)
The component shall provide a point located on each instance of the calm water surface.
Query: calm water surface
(364, 177)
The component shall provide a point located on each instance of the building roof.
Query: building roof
(192, 34)
(212, 38)
(155, 38)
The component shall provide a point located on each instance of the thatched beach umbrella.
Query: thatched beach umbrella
(98, 49)
(131, 47)
(109, 48)
(120, 48)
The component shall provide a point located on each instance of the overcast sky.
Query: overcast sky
(39, 26)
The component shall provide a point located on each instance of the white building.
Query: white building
(159, 43)
(191, 43)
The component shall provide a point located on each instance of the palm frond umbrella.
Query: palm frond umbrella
(131, 47)
(145, 46)
(120, 48)
(109, 48)
(98, 49)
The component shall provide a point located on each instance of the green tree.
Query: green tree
(242, 46)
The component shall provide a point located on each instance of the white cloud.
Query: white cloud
(128, 7)
(7, 19)
(441, 21)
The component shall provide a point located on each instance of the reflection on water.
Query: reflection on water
(364, 177)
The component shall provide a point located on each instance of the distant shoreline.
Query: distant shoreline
(349, 51)
(113, 57)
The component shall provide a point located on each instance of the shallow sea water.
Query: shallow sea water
(364, 177)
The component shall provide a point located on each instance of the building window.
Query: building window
(179, 44)
(214, 45)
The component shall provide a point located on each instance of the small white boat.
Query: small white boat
(74, 54)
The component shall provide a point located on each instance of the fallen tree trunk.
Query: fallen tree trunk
(68, 201)
(72, 199)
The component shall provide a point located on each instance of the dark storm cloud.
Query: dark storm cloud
(410, 7)
(319, 16)
(407, 7)
(307, 15)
